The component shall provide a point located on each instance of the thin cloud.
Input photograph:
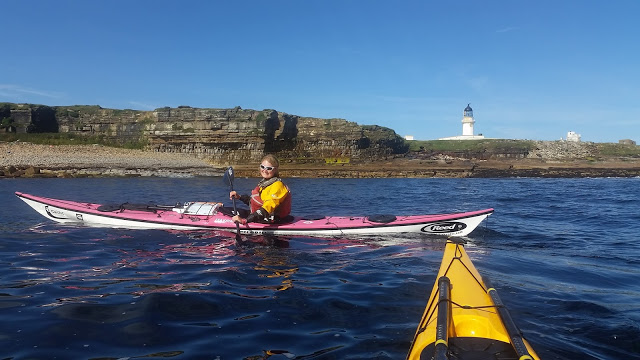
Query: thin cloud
(17, 91)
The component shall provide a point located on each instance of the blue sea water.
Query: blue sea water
(564, 255)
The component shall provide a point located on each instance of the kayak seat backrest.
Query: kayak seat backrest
(381, 218)
(285, 220)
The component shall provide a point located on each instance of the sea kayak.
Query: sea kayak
(211, 215)
(465, 318)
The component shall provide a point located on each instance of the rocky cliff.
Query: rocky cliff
(218, 135)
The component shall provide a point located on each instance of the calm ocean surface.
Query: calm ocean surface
(564, 255)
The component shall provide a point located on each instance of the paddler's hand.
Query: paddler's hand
(234, 195)
(238, 219)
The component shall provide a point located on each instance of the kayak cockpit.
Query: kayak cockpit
(473, 348)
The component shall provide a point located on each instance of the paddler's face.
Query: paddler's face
(267, 170)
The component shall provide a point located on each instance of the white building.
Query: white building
(467, 126)
(572, 136)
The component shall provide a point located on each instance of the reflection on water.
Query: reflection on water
(275, 267)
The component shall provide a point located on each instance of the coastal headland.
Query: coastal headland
(80, 141)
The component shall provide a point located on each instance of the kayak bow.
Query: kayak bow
(464, 318)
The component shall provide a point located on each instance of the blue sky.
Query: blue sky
(531, 69)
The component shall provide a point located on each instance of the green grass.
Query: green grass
(613, 149)
(471, 145)
(14, 106)
(260, 118)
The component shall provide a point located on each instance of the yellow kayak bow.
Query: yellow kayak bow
(464, 318)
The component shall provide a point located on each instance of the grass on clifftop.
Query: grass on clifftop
(514, 146)
(493, 145)
(624, 150)
(68, 139)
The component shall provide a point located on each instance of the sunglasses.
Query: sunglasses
(268, 168)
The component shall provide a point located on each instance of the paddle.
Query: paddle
(228, 178)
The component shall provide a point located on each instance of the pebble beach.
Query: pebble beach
(18, 159)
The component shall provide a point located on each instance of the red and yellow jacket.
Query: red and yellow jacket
(270, 203)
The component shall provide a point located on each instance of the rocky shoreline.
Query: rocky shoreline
(19, 159)
(26, 160)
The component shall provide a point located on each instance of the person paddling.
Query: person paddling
(270, 201)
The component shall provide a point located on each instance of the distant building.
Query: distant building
(467, 126)
(408, 137)
(572, 136)
(626, 142)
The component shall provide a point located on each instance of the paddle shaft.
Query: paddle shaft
(235, 211)
(512, 329)
(229, 175)
(442, 327)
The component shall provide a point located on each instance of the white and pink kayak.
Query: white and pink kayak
(209, 215)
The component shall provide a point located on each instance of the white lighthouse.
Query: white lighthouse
(467, 126)
(467, 121)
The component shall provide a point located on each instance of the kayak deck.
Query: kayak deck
(464, 317)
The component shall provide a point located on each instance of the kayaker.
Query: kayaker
(270, 201)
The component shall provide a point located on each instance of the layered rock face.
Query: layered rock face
(232, 135)
(218, 135)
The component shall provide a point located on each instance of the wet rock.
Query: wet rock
(31, 171)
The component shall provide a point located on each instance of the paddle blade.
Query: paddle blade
(228, 177)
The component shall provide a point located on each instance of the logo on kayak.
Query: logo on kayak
(444, 227)
(55, 213)
(222, 221)
(79, 217)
